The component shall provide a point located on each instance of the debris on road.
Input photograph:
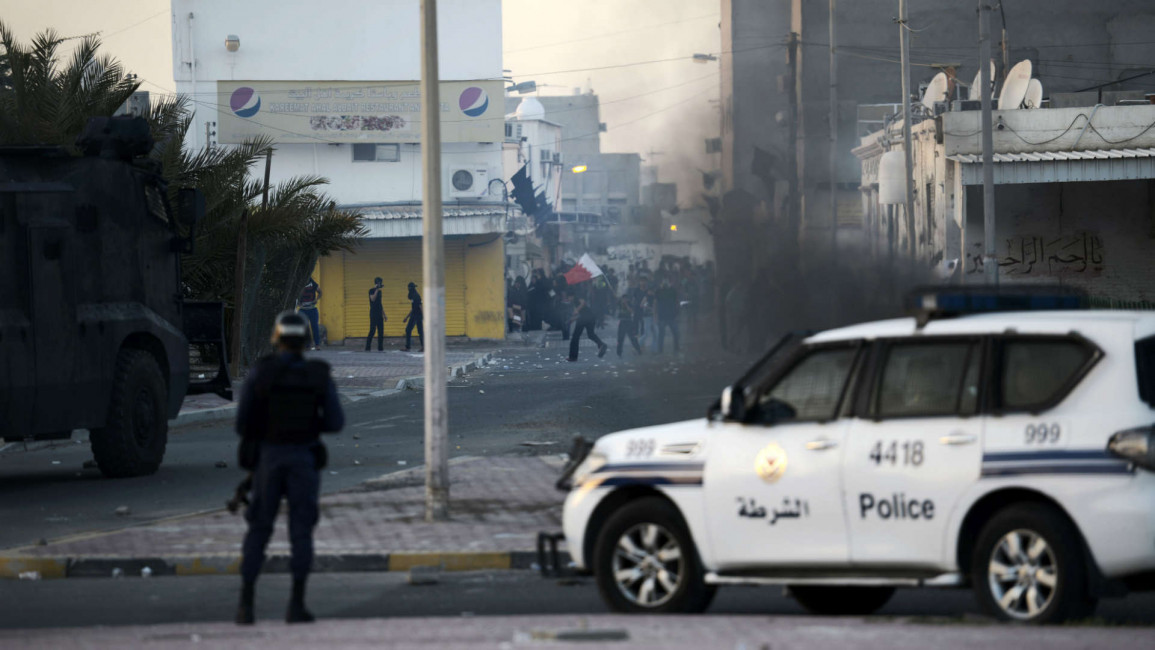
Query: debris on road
(222, 464)
(122, 511)
(29, 575)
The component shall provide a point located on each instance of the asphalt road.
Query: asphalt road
(531, 402)
(82, 602)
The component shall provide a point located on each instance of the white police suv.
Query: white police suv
(1012, 451)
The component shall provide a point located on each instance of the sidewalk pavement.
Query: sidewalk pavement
(603, 630)
(358, 374)
(498, 505)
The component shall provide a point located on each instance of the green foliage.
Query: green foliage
(44, 101)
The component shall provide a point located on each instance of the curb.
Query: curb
(59, 567)
(416, 382)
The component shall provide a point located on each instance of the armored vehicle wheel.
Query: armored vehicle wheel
(134, 437)
(1028, 566)
(841, 601)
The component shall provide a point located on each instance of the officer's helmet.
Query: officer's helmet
(291, 330)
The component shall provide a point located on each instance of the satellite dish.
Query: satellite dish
(936, 91)
(976, 90)
(1015, 87)
(1034, 97)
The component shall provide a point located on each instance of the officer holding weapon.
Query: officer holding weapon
(285, 404)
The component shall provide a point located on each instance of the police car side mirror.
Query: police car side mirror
(731, 406)
(775, 410)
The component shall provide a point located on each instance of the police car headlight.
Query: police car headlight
(595, 461)
(1135, 445)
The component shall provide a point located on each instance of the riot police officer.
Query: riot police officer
(285, 404)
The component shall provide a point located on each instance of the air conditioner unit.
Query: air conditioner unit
(557, 157)
(468, 182)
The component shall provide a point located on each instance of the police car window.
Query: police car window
(812, 388)
(1035, 371)
(928, 379)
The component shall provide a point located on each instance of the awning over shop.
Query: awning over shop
(1061, 166)
(389, 221)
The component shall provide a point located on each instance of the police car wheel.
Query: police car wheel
(841, 601)
(645, 561)
(1028, 566)
(134, 437)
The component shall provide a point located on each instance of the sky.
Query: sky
(667, 108)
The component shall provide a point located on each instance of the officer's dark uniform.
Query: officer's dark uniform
(285, 404)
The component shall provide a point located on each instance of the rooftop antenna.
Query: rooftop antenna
(975, 92)
(935, 91)
(1015, 87)
(1034, 98)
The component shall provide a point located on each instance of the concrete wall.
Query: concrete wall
(1096, 236)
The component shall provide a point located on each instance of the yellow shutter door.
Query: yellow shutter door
(398, 262)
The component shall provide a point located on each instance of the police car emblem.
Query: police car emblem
(770, 464)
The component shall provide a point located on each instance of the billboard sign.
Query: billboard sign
(355, 111)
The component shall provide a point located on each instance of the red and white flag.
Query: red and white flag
(585, 269)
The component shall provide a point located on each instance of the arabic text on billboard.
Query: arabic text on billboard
(354, 111)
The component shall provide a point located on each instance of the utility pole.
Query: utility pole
(793, 207)
(433, 277)
(833, 137)
(904, 44)
(990, 265)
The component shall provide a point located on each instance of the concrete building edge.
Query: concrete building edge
(60, 567)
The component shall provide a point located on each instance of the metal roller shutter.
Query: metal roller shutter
(398, 262)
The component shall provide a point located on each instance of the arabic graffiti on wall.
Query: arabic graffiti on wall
(1080, 252)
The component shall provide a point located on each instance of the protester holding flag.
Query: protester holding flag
(584, 316)
(585, 321)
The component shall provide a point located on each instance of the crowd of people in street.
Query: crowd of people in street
(648, 304)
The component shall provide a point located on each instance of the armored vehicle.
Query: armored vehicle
(94, 333)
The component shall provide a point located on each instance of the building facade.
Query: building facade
(341, 100)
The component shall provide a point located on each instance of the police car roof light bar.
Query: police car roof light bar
(933, 303)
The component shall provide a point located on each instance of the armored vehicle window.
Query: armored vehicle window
(1035, 373)
(929, 379)
(813, 388)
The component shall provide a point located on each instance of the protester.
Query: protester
(584, 318)
(377, 316)
(517, 301)
(414, 319)
(626, 325)
(667, 312)
(307, 305)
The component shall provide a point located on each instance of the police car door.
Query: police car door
(772, 487)
(913, 448)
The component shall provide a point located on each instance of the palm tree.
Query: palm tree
(45, 102)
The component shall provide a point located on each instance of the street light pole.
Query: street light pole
(433, 277)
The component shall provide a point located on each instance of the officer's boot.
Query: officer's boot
(297, 612)
(245, 609)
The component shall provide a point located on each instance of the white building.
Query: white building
(336, 84)
(1074, 198)
(533, 143)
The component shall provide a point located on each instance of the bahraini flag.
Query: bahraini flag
(585, 269)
